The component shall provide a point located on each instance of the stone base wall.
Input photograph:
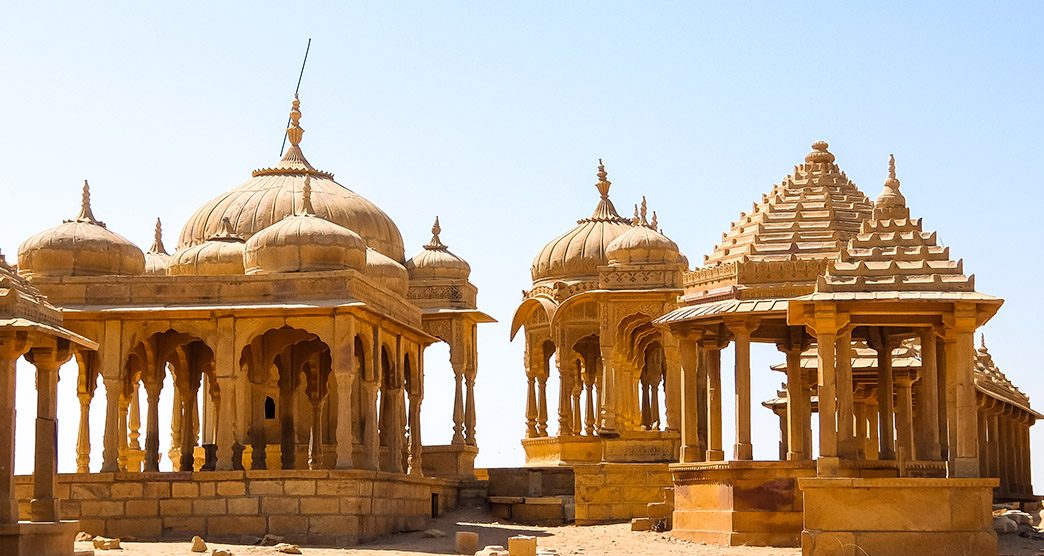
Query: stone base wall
(613, 492)
(898, 516)
(335, 507)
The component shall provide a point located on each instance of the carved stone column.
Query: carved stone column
(44, 504)
(469, 409)
(565, 393)
(258, 434)
(825, 343)
(885, 393)
(152, 395)
(967, 460)
(458, 401)
(541, 424)
(743, 449)
(175, 429)
(110, 442)
(371, 440)
(714, 432)
(904, 416)
(690, 448)
(927, 424)
(797, 391)
(124, 410)
(315, 433)
(11, 348)
(845, 410)
(189, 415)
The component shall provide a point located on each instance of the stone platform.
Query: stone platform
(38, 539)
(632, 447)
(919, 516)
(322, 507)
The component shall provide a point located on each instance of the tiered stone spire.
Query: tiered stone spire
(811, 214)
(436, 244)
(86, 214)
(157, 243)
(293, 161)
(605, 211)
(893, 253)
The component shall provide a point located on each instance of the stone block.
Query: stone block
(127, 490)
(87, 491)
(466, 542)
(333, 524)
(102, 508)
(264, 488)
(209, 506)
(641, 524)
(320, 505)
(234, 526)
(156, 490)
(142, 508)
(243, 506)
(231, 488)
(287, 524)
(522, 545)
(69, 509)
(207, 488)
(175, 507)
(142, 528)
(280, 505)
(184, 490)
(299, 488)
(183, 526)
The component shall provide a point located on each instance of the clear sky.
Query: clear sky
(493, 116)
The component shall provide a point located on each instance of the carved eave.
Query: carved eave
(450, 294)
(640, 277)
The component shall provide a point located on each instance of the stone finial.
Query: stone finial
(636, 219)
(820, 153)
(644, 212)
(306, 198)
(603, 180)
(982, 342)
(436, 244)
(86, 214)
(157, 242)
(654, 225)
(226, 232)
(891, 197)
(295, 132)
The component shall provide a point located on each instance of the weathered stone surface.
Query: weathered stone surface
(640, 524)
(466, 542)
(1004, 525)
(105, 543)
(522, 545)
(433, 534)
(287, 548)
(198, 545)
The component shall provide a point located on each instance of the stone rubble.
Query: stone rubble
(287, 548)
(198, 545)
(105, 543)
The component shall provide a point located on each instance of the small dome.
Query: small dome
(221, 255)
(80, 247)
(436, 262)
(272, 194)
(304, 242)
(386, 272)
(156, 258)
(643, 244)
(579, 252)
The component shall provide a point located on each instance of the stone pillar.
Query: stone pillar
(531, 406)
(828, 453)
(993, 467)
(190, 412)
(121, 451)
(927, 424)
(859, 407)
(966, 463)
(416, 447)
(152, 395)
(110, 442)
(743, 449)
(714, 432)
(873, 443)
(11, 348)
(541, 424)
(672, 386)
(83, 436)
(783, 432)
(175, 429)
(315, 433)
(797, 393)
(690, 449)
(258, 432)
(225, 422)
(904, 417)
(885, 392)
(469, 408)
(458, 400)
(44, 504)
(134, 420)
(371, 440)
(984, 460)
(845, 411)
(607, 423)
(565, 394)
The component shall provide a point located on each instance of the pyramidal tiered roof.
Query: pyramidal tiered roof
(811, 214)
(990, 379)
(892, 253)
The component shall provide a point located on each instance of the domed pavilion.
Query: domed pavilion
(596, 289)
(293, 330)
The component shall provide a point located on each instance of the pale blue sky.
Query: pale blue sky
(493, 116)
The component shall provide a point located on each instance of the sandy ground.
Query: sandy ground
(569, 540)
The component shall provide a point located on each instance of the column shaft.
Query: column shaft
(885, 392)
(690, 449)
(44, 504)
(458, 403)
(928, 447)
(967, 462)
(797, 392)
(714, 432)
(845, 410)
(827, 403)
(8, 502)
(743, 449)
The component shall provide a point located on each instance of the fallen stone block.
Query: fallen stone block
(198, 545)
(1004, 525)
(105, 543)
(83, 536)
(466, 542)
(522, 545)
(640, 524)
(287, 548)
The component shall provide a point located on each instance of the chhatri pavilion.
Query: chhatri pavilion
(293, 328)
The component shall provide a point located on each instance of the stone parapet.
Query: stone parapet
(323, 507)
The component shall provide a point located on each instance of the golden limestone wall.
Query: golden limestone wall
(608, 492)
(316, 507)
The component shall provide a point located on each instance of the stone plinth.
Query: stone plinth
(897, 516)
(322, 507)
(632, 447)
(739, 502)
(615, 492)
(451, 461)
(38, 539)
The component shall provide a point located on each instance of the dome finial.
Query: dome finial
(86, 214)
(157, 243)
(644, 212)
(435, 244)
(295, 132)
(891, 197)
(636, 220)
(306, 198)
(820, 153)
(603, 180)
(654, 225)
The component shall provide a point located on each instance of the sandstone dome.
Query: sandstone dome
(643, 244)
(220, 255)
(436, 262)
(579, 252)
(82, 246)
(388, 273)
(304, 242)
(272, 194)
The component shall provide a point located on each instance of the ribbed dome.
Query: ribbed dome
(643, 244)
(579, 252)
(387, 272)
(304, 242)
(272, 194)
(80, 247)
(221, 255)
(436, 262)
(157, 258)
